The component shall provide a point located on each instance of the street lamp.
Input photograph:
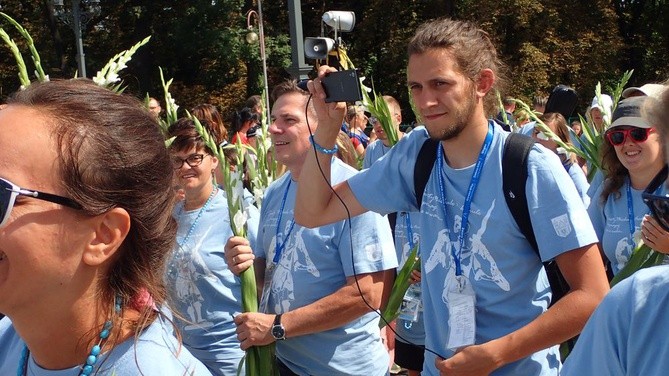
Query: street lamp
(251, 38)
(82, 12)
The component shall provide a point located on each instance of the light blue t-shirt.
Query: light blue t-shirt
(407, 331)
(507, 276)
(527, 129)
(202, 288)
(155, 353)
(374, 151)
(595, 183)
(580, 181)
(408, 224)
(611, 222)
(315, 263)
(626, 335)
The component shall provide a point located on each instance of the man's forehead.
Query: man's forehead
(292, 104)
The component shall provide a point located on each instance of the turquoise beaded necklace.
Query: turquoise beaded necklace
(199, 214)
(91, 359)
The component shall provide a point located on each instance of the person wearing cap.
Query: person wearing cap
(647, 90)
(599, 113)
(631, 157)
(624, 334)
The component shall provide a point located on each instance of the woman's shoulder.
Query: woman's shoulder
(156, 352)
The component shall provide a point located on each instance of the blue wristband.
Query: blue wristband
(321, 149)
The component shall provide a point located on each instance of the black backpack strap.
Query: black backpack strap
(423, 168)
(514, 178)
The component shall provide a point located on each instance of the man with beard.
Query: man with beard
(485, 292)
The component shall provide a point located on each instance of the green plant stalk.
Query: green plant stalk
(378, 106)
(20, 63)
(400, 287)
(414, 109)
(259, 360)
(39, 72)
(642, 257)
(502, 110)
(379, 109)
(171, 116)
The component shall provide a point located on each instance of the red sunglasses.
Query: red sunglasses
(618, 136)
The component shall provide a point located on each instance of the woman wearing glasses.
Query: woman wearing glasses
(85, 231)
(626, 333)
(204, 294)
(632, 156)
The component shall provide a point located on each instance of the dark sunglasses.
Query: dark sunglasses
(618, 136)
(192, 160)
(658, 204)
(9, 191)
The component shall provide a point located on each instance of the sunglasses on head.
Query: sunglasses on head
(618, 136)
(10, 191)
(658, 204)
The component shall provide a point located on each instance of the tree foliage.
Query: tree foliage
(200, 43)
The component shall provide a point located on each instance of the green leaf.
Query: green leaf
(400, 287)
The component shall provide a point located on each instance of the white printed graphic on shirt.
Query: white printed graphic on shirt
(476, 260)
(187, 268)
(294, 257)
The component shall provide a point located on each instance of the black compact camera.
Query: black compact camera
(342, 86)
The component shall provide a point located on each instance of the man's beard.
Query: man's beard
(461, 115)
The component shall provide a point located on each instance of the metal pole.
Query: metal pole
(298, 68)
(263, 57)
(76, 23)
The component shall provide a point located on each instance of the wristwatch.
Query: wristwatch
(278, 331)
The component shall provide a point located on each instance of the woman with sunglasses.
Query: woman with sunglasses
(625, 334)
(558, 125)
(85, 231)
(632, 156)
(204, 294)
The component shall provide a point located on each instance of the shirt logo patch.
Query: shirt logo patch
(561, 225)
(374, 252)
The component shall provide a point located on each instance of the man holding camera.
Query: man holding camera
(319, 286)
(484, 290)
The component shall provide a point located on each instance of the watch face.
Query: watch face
(278, 332)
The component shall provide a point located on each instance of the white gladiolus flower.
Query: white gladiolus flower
(236, 185)
(258, 195)
(239, 219)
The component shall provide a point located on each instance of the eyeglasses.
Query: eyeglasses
(618, 136)
(658, 205)
(9, 191)
(192, 160)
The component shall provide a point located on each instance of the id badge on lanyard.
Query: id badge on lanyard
(461, 313)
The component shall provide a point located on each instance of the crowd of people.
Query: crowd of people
(117, 254)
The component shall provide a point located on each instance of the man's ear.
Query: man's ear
(110, 230)
(485, 82)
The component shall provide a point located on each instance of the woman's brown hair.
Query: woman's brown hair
(112, 155)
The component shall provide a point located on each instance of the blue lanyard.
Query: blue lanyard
(473, 184)
(279, 244)
(407, 220)
(630, 211)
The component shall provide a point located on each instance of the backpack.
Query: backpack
(516, 149)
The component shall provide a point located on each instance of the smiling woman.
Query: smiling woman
(631, 157)
(204, 294)
(85, 233)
